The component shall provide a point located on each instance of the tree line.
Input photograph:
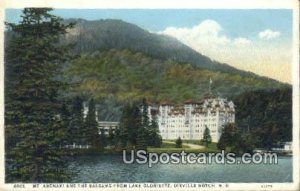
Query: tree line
(136, 129)
(266, 116)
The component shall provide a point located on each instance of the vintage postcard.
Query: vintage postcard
(141, 95)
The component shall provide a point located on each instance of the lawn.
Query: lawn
(196, 142)
(171, 145)
(171, 148)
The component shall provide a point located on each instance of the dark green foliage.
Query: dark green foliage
(65, 114)
(130, 124)
(76, 133)
(206, 137)
(34, 128)
(266, 115)
(221, 145)
(264, 118)
(111, 136)
(135, 129)
(145, 118)
(268, 135)
(91, 131)
(148, 133)
(126, 125)
(230, 137)
(142, 138)
(178, 143)
(155, 139)
(246, 144)
(101, 141)
(117, 140)
(134, 124)
(234, 141)
(66, 120)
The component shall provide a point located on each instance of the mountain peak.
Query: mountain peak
(106, 34)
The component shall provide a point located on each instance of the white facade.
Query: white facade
(288, 146)
(105, 126)
(188, 121)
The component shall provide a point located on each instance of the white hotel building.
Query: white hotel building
(189, 120)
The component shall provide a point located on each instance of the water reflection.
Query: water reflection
(110, 168)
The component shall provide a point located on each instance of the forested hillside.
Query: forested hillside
(123, 76)
(267, 114)
(103, 35)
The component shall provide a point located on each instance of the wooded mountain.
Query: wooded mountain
(121, 62)
(102, 35)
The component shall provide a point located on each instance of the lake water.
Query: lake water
(110, 168)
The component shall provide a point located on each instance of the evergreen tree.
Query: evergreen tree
(206, 137)
(268, 134)
(117, 140)
(129, 124)
(178, 143)
(145, 116)
(143, 133)
(123, 129)
(65, 118)
(65, 114)
(135, 128)
(76, 132)
(142, 138)
(91, 125)
(155, 138)
(102, 140)
(134, 124)
(34, 57)
(230, 137)
(111, 136)
(245, 144)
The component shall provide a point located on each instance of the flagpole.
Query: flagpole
(210, 81)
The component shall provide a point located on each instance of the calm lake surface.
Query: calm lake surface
(110, 168)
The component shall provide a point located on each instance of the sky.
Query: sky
(256, 40)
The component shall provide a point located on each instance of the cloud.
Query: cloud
(205, 33)
(210, 39)
(207, 37)
(269, 34)
(241, 42)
